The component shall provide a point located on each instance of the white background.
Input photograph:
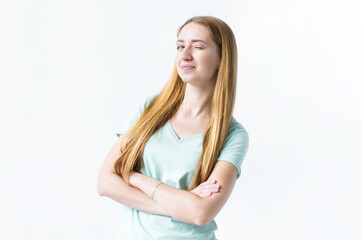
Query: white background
(72, 71)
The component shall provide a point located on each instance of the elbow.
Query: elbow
(199, 222)
(101, 186)
(202, 220)
(202, 216)
(100, 191)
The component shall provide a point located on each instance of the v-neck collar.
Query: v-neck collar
(175, 136)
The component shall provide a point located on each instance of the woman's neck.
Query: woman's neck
(197, 102)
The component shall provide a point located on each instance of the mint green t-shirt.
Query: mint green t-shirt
(173, 161)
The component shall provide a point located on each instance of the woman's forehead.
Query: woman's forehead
(194, 31)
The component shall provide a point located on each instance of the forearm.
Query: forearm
(114, 187)
(180, 204)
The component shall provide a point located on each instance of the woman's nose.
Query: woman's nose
(186, 53)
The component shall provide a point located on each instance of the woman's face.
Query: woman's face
(197, 59)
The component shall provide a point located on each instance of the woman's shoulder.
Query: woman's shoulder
(237, 133)
(143, 104)
(150, 97)
(237, 127)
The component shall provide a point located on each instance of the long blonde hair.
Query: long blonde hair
(165, 104)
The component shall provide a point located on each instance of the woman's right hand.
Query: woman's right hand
(206, 188)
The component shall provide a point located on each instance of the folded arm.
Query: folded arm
(113, 186)
(186, 206)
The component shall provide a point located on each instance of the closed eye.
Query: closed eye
(181, 47)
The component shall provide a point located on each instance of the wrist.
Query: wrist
(133, 179)
(154, 189)
(143, 182)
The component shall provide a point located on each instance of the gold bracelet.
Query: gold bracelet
(155, 189)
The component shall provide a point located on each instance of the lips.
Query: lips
(187, 67)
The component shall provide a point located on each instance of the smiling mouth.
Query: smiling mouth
(187, 67)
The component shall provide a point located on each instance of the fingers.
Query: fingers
(210, 184)
(207, 188)
(209, 181)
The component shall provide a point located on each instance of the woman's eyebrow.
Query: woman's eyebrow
(193, 40)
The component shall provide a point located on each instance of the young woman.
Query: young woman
(176, 161)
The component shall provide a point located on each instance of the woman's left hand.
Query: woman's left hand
(206, 188)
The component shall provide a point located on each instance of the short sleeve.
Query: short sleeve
(136, 113)
(236, 145)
